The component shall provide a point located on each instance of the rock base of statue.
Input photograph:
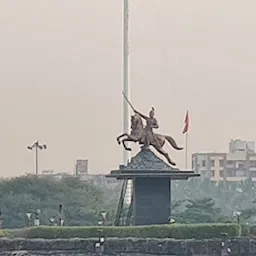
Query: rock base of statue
(151, 194)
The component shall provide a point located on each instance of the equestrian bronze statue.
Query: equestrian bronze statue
(145, 135)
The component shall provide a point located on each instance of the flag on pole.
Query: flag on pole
(185, 129)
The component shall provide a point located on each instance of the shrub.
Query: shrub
(177, 231)
(4, 233)
(253, 230)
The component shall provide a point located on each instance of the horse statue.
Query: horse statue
(138, 134)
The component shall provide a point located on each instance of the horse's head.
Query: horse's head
(136, 122)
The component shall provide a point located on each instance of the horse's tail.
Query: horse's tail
(172, 142)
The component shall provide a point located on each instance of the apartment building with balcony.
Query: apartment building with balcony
(236, 165)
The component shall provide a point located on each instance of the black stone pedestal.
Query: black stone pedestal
(151, 178)
(152, 200)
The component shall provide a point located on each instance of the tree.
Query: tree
(82, 202)
(228, 196)
(199, 211)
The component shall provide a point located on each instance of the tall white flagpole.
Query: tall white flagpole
(126, 90)
(126, 75)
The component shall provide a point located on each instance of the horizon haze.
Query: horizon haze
(61, 77)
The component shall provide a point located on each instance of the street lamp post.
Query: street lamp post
(28, 214)
(37, 146)
(37, 220)
(104, 217)
(237, 215)
(61, 220)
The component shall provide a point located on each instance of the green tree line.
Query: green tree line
(205, 201)
(194, 201)
(82, 202)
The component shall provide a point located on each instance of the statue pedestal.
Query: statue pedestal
(151, 197)
(152, 200)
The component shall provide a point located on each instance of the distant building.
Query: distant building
(81, 167)
(236, 165)
(47, 172)
(242, 146)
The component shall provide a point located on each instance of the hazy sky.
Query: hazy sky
(61, 77)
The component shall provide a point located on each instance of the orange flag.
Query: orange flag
(185, 129)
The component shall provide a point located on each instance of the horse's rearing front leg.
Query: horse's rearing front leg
(121, 136)
(125, 147)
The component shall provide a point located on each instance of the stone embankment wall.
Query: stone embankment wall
(125, 247)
